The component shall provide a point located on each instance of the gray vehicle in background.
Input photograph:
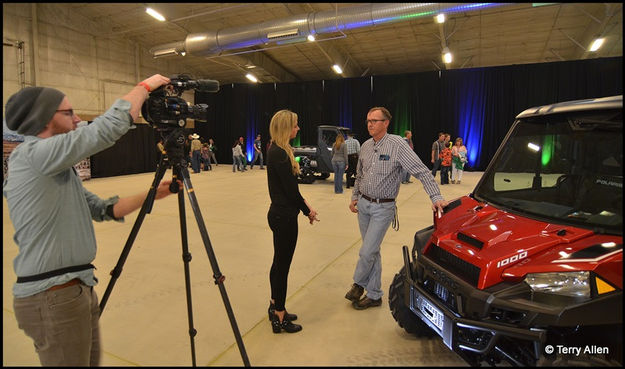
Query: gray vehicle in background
(315, 160)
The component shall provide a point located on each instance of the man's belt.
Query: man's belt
(376, 200)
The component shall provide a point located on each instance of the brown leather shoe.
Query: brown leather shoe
(366, 302)
(355, 293)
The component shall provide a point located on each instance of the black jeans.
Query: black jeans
(284, 228)
(445, 172)
(436, 166)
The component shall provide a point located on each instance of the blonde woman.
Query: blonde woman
(459, 158)
(286, 203)
(339, 162)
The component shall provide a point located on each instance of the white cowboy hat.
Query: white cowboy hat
(195, 136)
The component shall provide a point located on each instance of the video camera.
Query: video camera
(165, 107)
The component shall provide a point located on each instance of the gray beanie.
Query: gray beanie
(31, 109)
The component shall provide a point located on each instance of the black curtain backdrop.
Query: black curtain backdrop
(476, 104)
(135, 152)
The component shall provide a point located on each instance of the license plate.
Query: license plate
(430, 312)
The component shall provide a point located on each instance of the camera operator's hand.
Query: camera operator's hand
(140, 93)
(155, 81)
(127, 205)
(163, 189)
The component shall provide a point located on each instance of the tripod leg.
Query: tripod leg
(186, 257)
(219, 278)
(145, 208)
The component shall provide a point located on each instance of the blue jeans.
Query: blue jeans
(236, 163)
(196, 158)
(339, 169)
(256, 155)
(373, 220)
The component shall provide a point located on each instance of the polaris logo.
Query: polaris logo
(511, 259)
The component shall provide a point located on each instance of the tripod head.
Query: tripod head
(173, 141)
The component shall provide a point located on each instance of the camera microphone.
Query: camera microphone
(204, 85)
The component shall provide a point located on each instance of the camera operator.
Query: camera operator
(52, 213)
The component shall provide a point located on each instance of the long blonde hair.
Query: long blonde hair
(339, 141)
(280, 129)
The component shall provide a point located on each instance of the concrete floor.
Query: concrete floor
(145, 320)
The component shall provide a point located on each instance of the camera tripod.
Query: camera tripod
(174, 158)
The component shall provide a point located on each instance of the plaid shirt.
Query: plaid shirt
(380, 165)
(353, 146)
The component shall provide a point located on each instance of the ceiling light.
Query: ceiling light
(596, 44)
(337, 69)
(165, 52)
(311, 37)
(447, 55)
(155, 14)
(440, 18)
(251, 77)
(281, 34)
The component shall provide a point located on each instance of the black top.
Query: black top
(283, 188)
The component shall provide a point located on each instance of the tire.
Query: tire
(402, 313)
(307, 179)
(306, 176)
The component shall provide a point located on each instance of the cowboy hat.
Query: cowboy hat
(195, 136)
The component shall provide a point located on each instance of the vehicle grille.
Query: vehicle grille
(460, 268)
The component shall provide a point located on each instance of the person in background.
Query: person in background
(243, 153)
(408, 138)
(196, 154)
(52, 214)
(212, 149)
(382, 160)
(339, 162)
(458, 159)
(204, 151)
(353, 149)
(446, 160)
(257, 152)
(236, 157)
(437, 147)
(286, 203)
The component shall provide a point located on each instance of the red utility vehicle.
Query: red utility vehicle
(528, 269)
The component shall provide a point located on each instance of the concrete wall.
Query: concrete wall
(65, 50)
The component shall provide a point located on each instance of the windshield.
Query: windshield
(567, 168)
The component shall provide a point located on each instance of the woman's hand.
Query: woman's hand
(312, 216)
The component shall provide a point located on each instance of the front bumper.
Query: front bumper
(507, 322)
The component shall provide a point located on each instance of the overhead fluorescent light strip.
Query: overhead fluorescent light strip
(251, 77)
(596, 44)
(282, 34)
(155, 14)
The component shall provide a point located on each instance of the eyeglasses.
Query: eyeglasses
(69, 111)
(374, 120)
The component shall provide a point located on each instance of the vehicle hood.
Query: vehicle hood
(506, 246)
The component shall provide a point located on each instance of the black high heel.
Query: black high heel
(272, 309)
(285, 325)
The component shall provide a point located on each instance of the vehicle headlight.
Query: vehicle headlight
(575, 284)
